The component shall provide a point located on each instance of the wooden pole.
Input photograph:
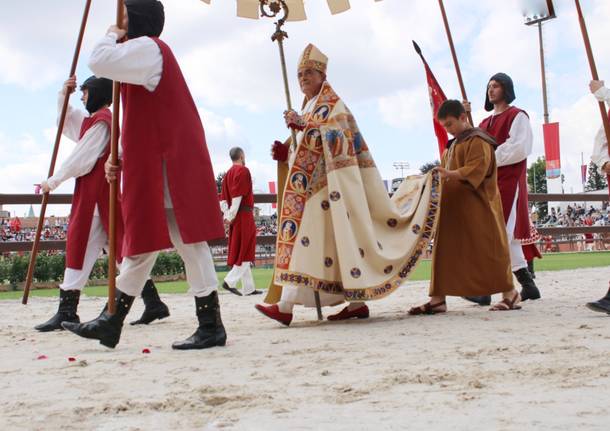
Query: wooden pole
(279, 37)
(60, 128)
(594, 75)
(455, 59)
(114, 184)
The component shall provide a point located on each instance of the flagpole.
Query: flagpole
(589, 50)
(60, 127)
(455, 59)
(114, 184)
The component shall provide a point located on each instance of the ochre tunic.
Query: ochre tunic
(470, 247)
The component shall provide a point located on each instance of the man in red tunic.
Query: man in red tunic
(169, 190)
(237, 204)
(512, 131)
(88, 229)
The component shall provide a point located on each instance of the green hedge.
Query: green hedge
(50, 267)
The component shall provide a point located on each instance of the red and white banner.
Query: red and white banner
(583, 173)
(552, 150)
(437, 97)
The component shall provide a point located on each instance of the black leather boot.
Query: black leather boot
(106, 328)
(530, 268)
(529, 289)
(601, 306)
(481, 300)
(210, 332)
(154, 307)
(66, 312)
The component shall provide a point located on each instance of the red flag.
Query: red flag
(583, 173)
(437, 97)
(272, 191)
(551, 150)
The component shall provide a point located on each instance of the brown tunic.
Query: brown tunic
(471, 254)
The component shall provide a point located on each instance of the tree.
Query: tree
(427, 167)
(595, 180)
(536, 181)
(219, 179)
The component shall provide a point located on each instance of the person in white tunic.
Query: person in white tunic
(601, 158)
(91, 146)
(132, 55)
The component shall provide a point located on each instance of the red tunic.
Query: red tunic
(510, 177)
(163, 126)
(89, 190)
(242, 233)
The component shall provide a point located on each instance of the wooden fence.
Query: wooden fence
(65, 199)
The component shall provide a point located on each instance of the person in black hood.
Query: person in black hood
(511, 128)
(146, 18)
(99, 93)
(169, 203)
(508, 90)
(87, 235)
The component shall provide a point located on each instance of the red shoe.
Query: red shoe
(273, 312)
(358, 313)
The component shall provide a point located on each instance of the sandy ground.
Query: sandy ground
(546, 367)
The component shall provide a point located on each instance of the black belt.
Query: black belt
(245, 209)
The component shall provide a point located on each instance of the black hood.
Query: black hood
(100, 93)
(507, 85)
(146, 18)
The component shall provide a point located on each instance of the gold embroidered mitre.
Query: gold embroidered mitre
(313, 58)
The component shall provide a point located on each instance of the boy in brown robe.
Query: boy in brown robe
(471, 256)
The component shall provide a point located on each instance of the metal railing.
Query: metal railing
(32, 199)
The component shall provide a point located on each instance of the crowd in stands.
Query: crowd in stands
(267, 226)
(11, 231)
(577, 216)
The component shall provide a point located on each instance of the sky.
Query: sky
(233, 71)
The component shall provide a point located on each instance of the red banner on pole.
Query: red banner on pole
(437, 97)
(551, 150)
(272, 191)
(583, 173)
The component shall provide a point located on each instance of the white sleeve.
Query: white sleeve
(74, 119)
(519, 143)
(138, 61)
(600, 150)
(603, 94)
(235, 203)
(224, 207)
(84, 156)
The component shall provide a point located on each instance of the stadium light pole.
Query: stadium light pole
(401, 166)
(535, 13)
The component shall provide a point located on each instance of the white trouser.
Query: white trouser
(76, 279)
(241, 272)
(198, 262)
(517, 259)
(305, 296)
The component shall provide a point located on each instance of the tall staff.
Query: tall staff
(282, 172)
(455, 59)
(602, 105)
(114, 183)
(60, 128)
